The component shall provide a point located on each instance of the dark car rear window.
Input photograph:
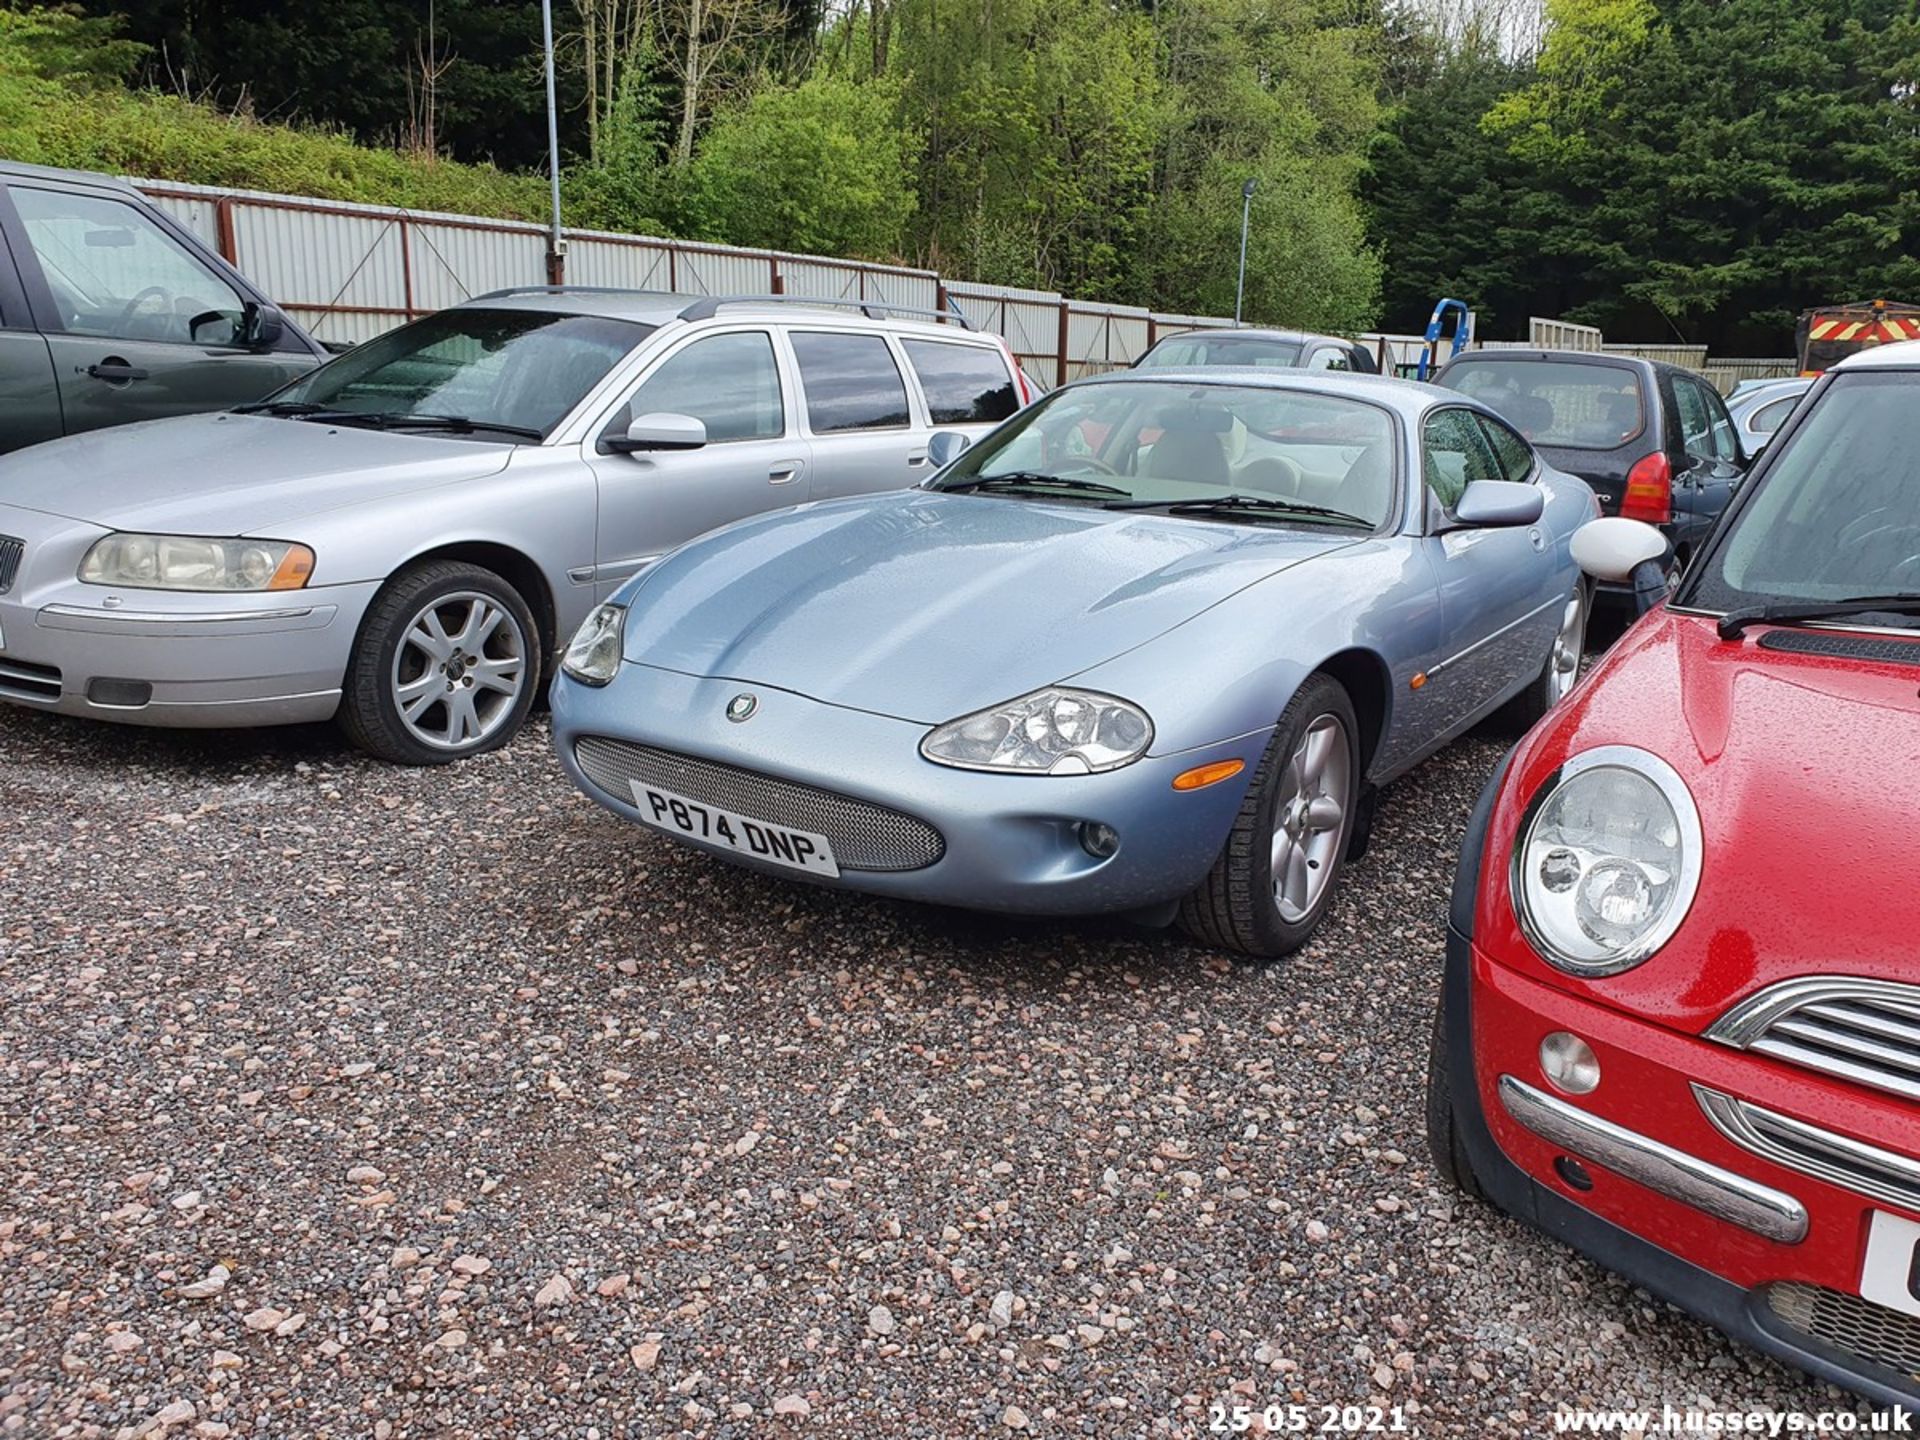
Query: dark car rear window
(964, 384)
(1573, 404)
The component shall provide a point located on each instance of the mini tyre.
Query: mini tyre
(446, 665)
(1444, 1145)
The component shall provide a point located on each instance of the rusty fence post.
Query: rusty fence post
(1060, 370)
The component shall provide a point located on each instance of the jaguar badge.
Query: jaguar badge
(741, 707)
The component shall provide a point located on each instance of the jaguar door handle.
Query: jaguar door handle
(785, 473)
(918, 457)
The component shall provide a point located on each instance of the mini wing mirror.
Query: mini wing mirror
(945, 447)
(1500, 502)
(662, 430)
(1624, 552)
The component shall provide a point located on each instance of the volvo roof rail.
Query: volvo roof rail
(708, 306)
(513, 290)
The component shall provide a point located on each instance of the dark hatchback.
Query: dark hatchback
(1653, 440)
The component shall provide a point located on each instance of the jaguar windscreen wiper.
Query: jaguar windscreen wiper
(1032, 480)
(1794, 612)
(1237, 504)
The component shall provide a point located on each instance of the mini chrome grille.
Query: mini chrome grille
(1849, 1323)
(1866, 1031)
(10, 552)
(1813, 1150)
(864, 836)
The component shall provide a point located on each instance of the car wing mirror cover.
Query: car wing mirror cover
(660, 430)
(946, 446)
(1612, 549)
(1500, 502)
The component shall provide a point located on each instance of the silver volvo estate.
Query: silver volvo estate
(396, 539)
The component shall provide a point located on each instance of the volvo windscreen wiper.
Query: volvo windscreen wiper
(1794, 612)
(287, 409)
(1032, 480)
(457, 424)
(1237, 504)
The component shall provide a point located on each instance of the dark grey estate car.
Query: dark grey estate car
(110, 312)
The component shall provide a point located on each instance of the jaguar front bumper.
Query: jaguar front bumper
(1009, 843)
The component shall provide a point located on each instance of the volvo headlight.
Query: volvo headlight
(1608, 861)
(196, 562)
(593, 655)
(1050, 732)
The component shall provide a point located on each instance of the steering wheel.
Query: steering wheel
(1095, 461)
(152, 292)
(1862, 531)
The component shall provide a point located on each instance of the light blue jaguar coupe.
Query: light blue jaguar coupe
(1151, 646)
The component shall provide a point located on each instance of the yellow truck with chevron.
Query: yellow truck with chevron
(1829, 334)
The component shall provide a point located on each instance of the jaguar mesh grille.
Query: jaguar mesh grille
(1849, 1323)
(10, 552)
(864, 836)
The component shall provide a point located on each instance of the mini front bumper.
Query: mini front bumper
(1011, 842)
(1669, 1201)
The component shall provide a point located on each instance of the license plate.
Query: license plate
(697, 820)
(1891, 1276)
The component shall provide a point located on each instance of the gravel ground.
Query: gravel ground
(345, 1100)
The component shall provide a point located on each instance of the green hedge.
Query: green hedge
(54, 113)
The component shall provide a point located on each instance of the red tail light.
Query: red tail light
(1649, 493)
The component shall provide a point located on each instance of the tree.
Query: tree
(1285, 96)
(1450, 208)
(706, 45)
(1715, 166)
(823, 166)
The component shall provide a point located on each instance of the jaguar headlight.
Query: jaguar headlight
(1608, 861)
(593, 655)
(196, 562)
(1050, 732)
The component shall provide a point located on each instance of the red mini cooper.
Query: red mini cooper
(1680, 1027)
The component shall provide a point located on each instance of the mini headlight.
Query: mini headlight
(1050, 732)
(593, 655)
(196, 562)
(1608, 861)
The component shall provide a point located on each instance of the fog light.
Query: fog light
(1569, 1062)
(1100, 841)
(120, 694)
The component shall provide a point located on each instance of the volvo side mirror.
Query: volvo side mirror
(945, 447)
(662, 430)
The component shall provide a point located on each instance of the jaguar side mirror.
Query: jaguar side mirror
(1499, 502)
(661, 430)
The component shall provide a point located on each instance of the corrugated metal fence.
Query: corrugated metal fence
(348, 272)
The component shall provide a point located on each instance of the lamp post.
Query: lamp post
(1246, 216)
(556, 247)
